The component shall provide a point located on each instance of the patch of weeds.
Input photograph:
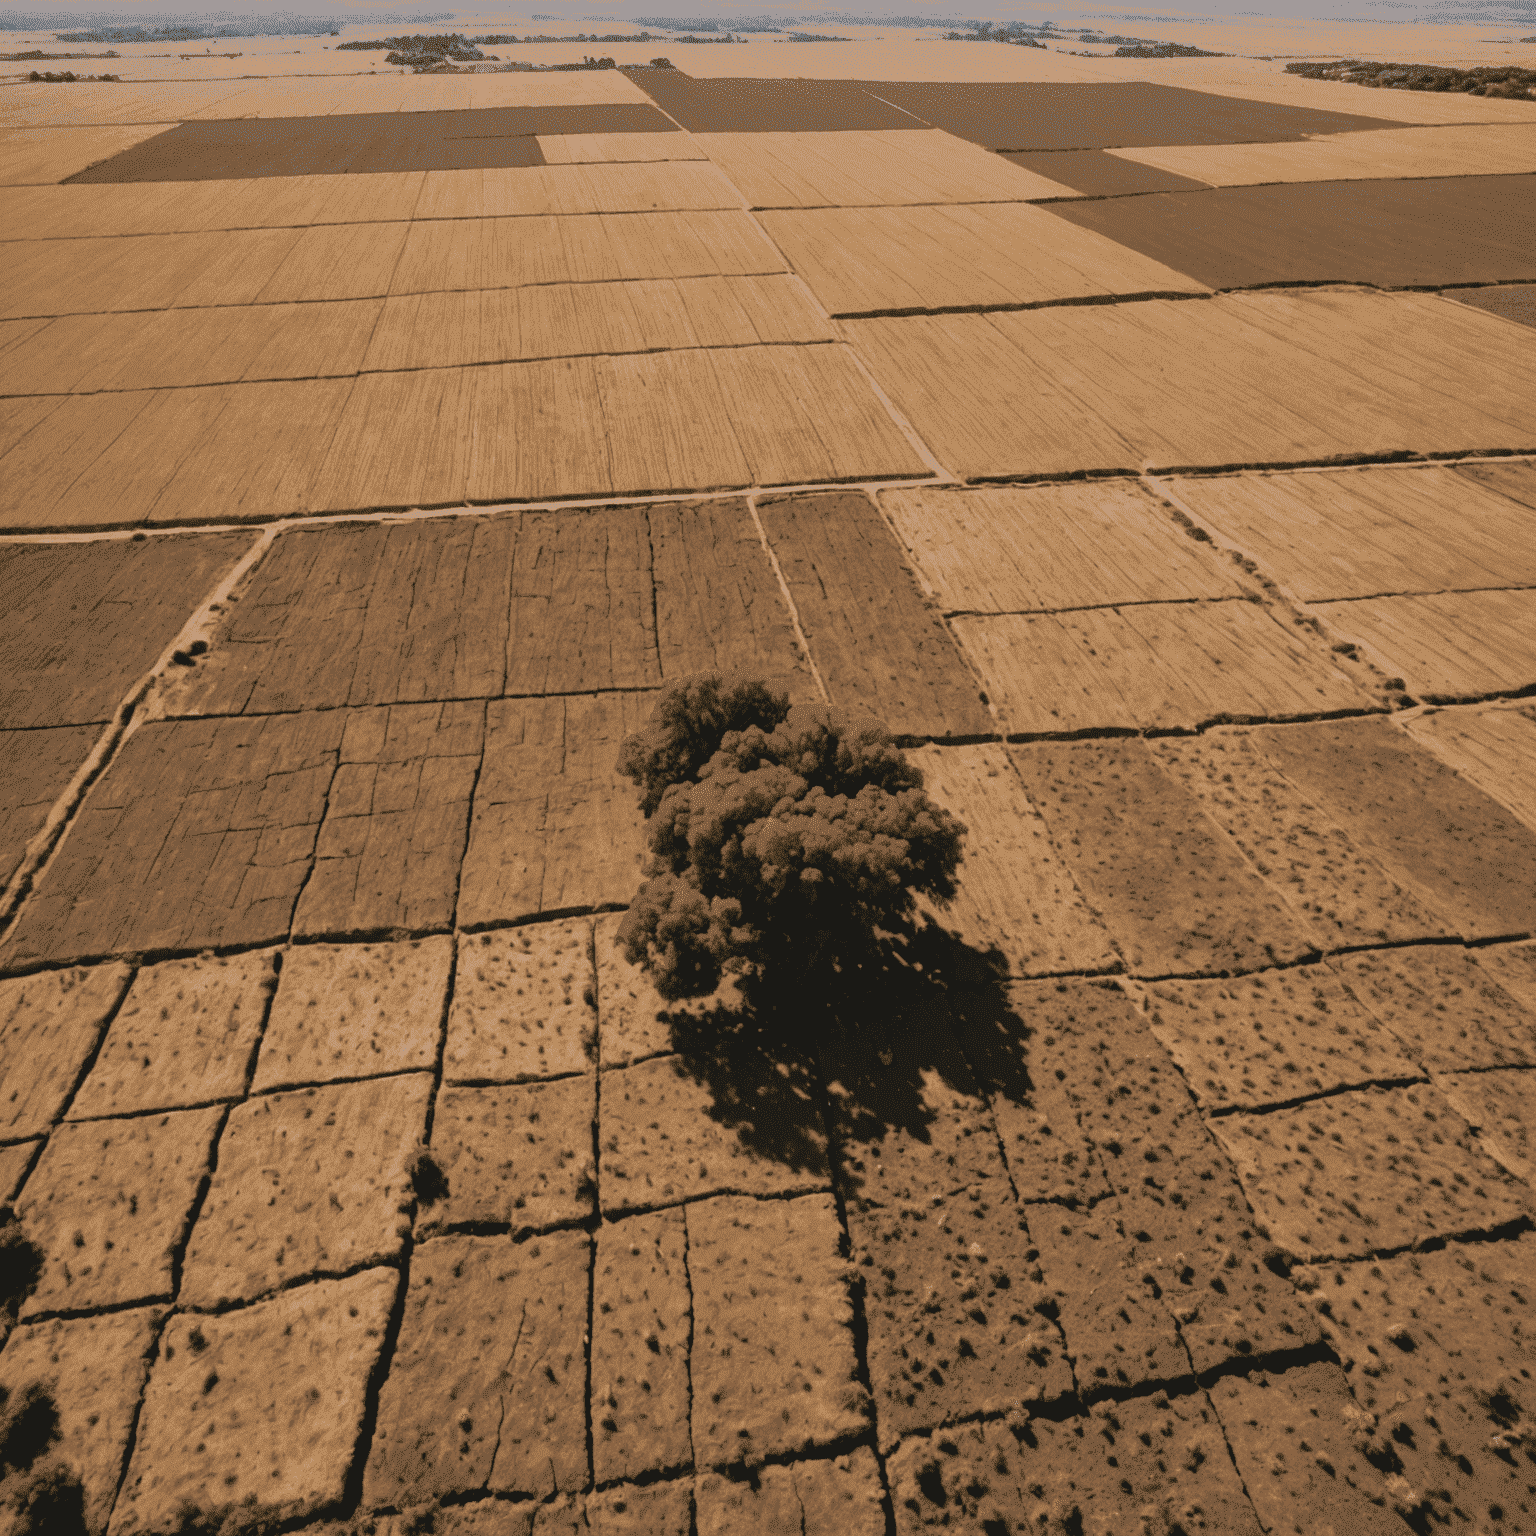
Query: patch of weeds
(1501, 1406)
(783, 841)
(428, 1181)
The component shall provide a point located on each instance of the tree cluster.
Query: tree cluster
(503, 40)
(444, 45)
(1507, 80)
(781, 839)
(1010, 32)
(1166, 51)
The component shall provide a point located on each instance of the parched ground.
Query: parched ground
(1158, 461)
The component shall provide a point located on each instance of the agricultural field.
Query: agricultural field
(1154, 452)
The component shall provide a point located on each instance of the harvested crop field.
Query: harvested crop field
(1151, 446)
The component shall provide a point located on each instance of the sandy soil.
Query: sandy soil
(359, 490)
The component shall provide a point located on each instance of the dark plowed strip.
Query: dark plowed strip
(531, 603)
(200, 835)
(555, 829)
(1099, 173)
(1394, 234)
(878, 644)
(359, 142)
(388, 854)
(34, 768)
(1516, 303)
(770, 106)
(367, 614)
(1055, 116)
(1461, 852)
(1517, 479)
(85, 621)
(204, 833)
(1175, 895)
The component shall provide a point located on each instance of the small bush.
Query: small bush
(781, 839)
(428, 1181)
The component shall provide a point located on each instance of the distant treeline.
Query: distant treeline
(1166, 51)
(965, 28)
(693, 24)
(1017, 32)
(1022, 34)
(1507, 80)
(185, 29)
(37, 53)
(444, 43)
(439, 52)
(456, 45)
(152, 35)
(573, 37)
(772, 23)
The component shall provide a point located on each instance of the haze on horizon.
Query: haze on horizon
(1520, 14)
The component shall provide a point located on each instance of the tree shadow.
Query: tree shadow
(21, 1264)
(760, 1074)
(877, 1047)
(39, 1494)
(29, 1425)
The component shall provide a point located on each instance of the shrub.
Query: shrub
(781, 839)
